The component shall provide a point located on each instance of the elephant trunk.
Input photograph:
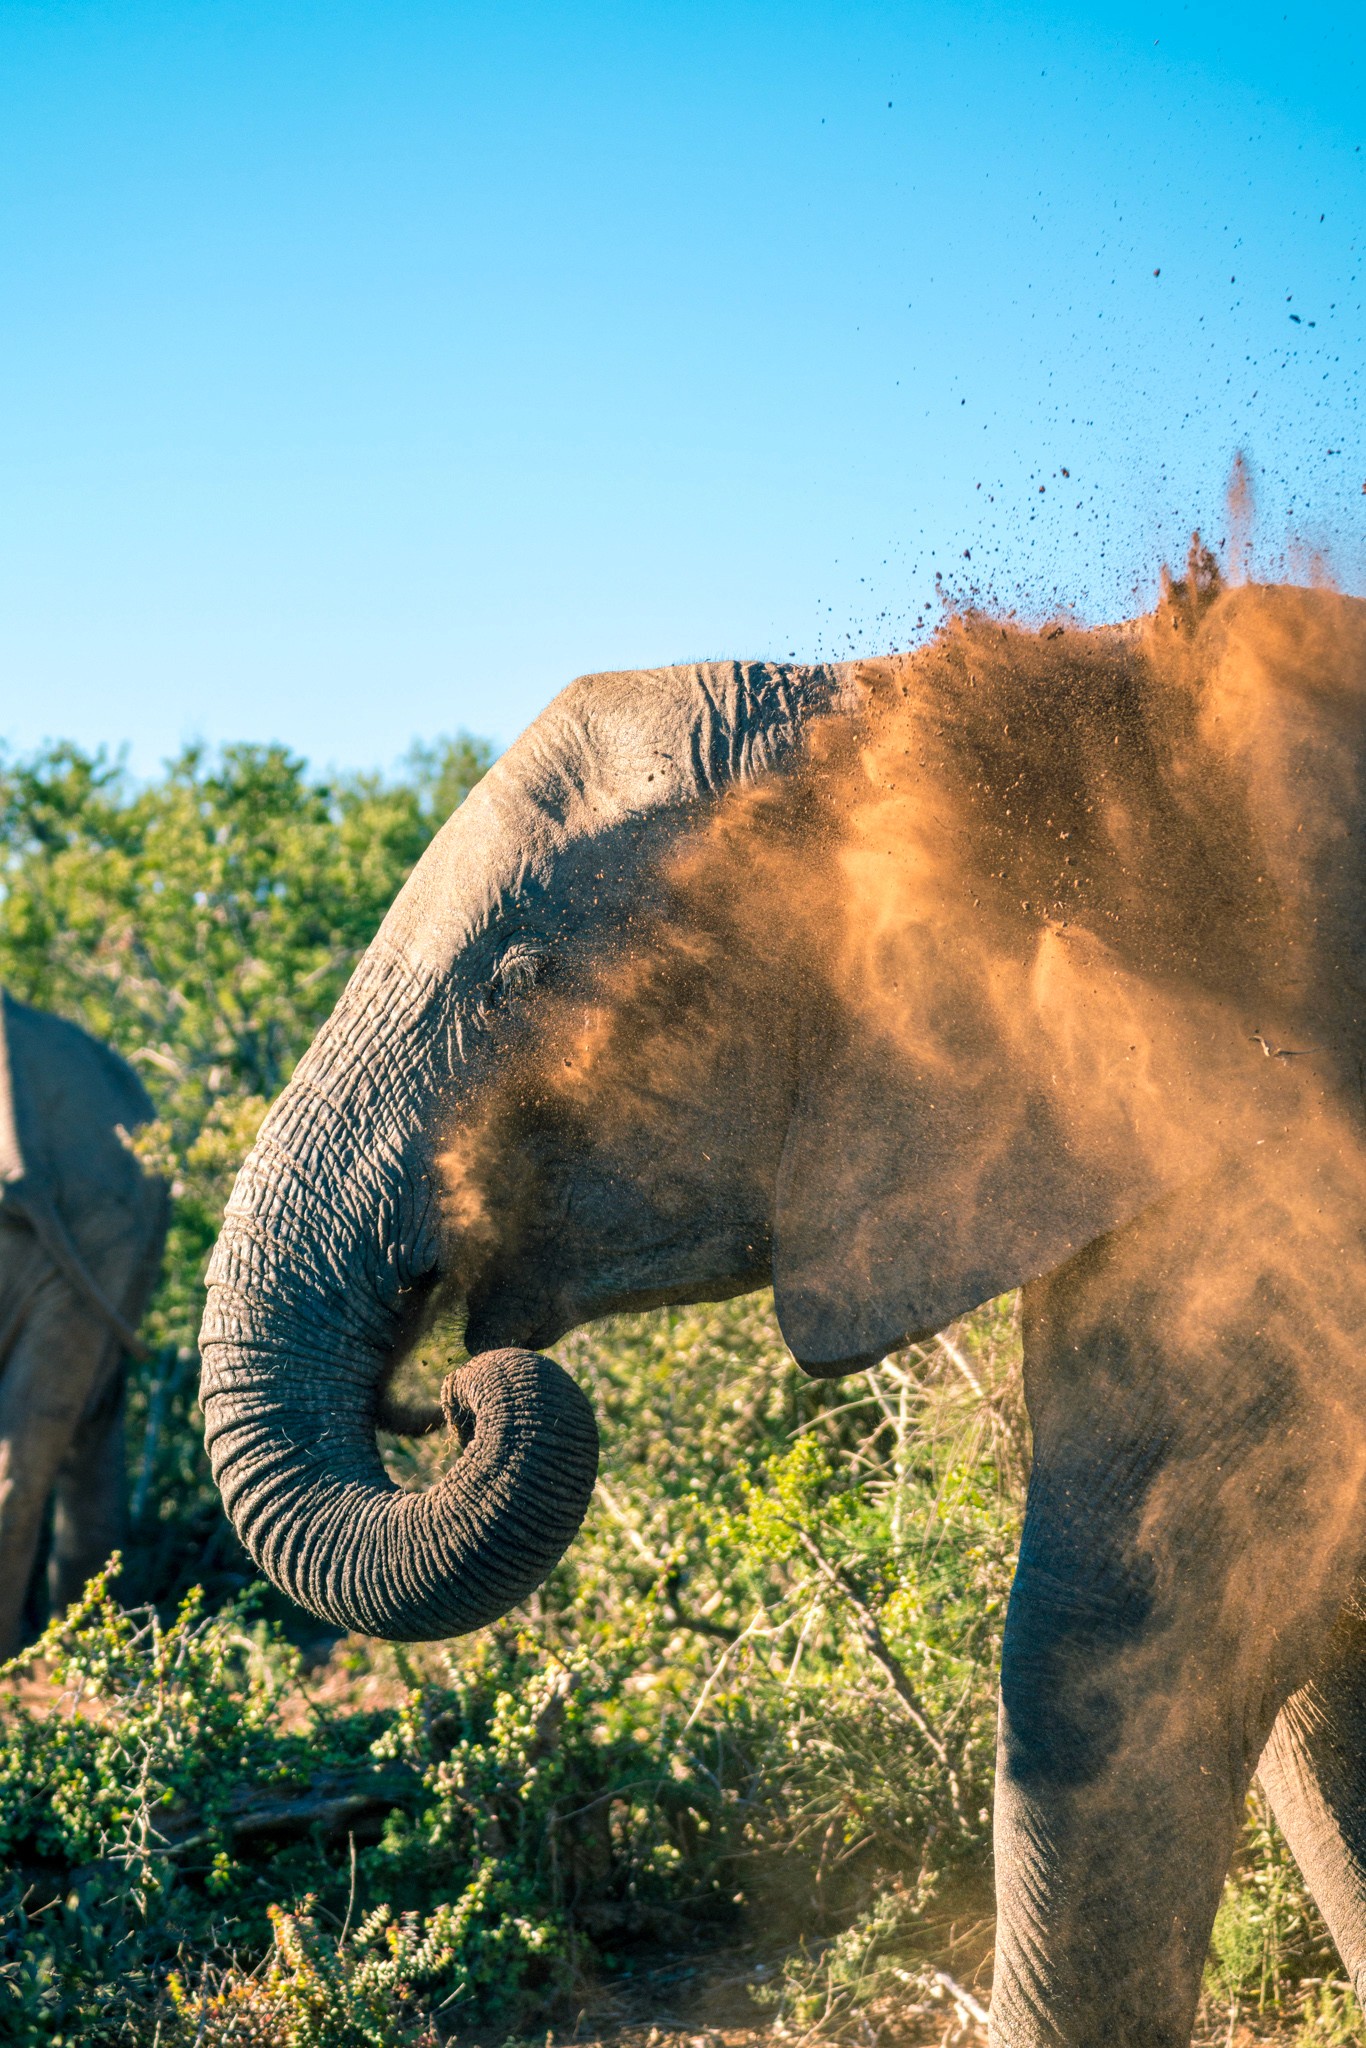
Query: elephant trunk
(324, 1238)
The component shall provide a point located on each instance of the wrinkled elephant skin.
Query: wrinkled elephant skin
(1026, 960)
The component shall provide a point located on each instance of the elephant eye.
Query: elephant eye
(519, 968)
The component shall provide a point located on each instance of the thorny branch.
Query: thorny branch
(883, 1655)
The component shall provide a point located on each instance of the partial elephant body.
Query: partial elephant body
(1313, 1770)
(1026, 959)
(1196, 1524)
(90, 1496)
(303, 1322)
(81, 1230)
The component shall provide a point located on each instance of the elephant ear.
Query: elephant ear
(924, 1175)
(895, 1216)
(52, 1073)
(11, 1150)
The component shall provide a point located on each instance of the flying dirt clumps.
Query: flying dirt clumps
(1109, 873)
(1060, 919)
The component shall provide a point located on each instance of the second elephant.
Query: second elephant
(81, 1233)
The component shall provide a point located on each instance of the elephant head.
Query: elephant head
(898, 983)
(335, 1232)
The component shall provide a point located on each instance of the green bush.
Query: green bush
(157, 1804)
(755, 1704)
(318, 1992)
(782, 1702)
(204, 924)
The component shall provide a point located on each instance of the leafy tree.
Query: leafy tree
(204, 923)
(444, 773)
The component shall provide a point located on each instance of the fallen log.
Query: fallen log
(334, 1810)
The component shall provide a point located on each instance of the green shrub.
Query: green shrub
(203, 923)
(761, 1697)
(1269, 1942)
(157, 1800)
(320, 1992)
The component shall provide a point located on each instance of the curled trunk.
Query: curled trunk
(330, 1529)
(328, 1232)
(331, 1227)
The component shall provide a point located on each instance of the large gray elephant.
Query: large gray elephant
(81, 1232)
(1030, 959)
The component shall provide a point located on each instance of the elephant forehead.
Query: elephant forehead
(560, 822)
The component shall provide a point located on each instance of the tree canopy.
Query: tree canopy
(204, 923)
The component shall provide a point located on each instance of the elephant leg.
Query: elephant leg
(1192, 1531)
(90, 1499)
(1118, 1800)
(1313, 1771)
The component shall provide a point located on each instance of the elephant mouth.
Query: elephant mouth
(533, 1302)
(452, 1317)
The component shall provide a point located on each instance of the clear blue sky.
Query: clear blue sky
(370, 370)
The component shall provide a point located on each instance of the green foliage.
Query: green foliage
(757, 1700)
(1269, 1943)
(652, 1751)
(319, 1993)
(204, 924)
(151, 1725)
(1330, 2017)
(133, 1758)
(169, 1782)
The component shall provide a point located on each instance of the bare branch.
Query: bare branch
(883, 1655)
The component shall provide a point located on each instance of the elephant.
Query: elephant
(81, 1232)
(1031, 958)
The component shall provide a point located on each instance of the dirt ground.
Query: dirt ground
(949, 2027)
(704, 2002)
